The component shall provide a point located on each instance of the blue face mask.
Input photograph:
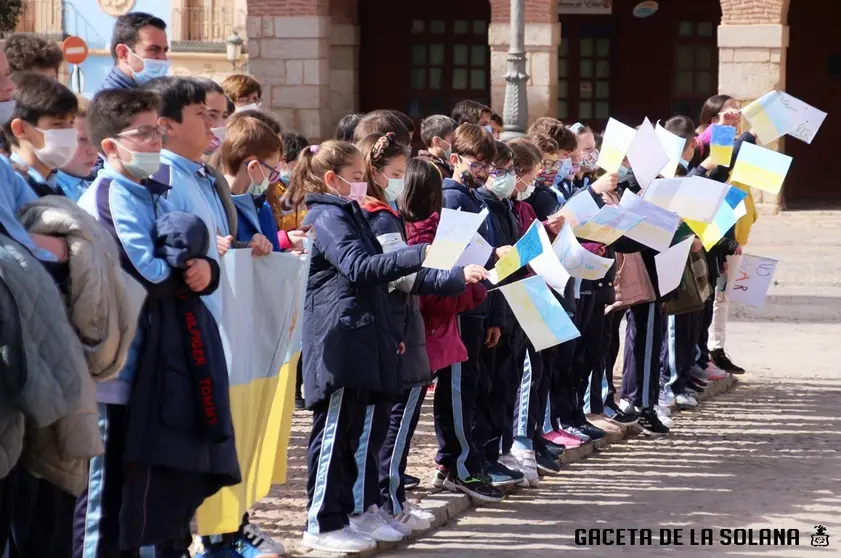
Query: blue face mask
(151, 69)
(623, 173)
(566, 166)
(684, 163)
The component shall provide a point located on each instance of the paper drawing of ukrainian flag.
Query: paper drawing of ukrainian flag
(262, 315)
(760, 168)
(526, 249)
(722, 140)
(539, 313)
(769, 117)
(725, 218)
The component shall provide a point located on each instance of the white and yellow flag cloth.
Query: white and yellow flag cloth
(262, 315)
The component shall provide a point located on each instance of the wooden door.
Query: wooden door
(814, 75)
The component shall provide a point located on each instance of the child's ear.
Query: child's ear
(19, 129)
(453, 159)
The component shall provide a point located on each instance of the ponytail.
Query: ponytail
(313, 161)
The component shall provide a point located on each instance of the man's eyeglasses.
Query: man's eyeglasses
(274, 172)
(477, 167)
(146, 134)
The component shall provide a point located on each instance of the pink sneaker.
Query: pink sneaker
(714, 372)
(567, 440)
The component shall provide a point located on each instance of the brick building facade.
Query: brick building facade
(321, 59)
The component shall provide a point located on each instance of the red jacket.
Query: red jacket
(443, 342)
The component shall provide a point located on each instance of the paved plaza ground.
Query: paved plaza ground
(766, 454)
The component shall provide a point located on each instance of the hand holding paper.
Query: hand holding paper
(526, 249)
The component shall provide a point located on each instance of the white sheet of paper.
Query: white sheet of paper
(740, 210)
(548, 266)
(749, 278)
(695, 198)
(646, 154)
(807, 117)
(608, 225)
(670, 265)
(673, 146)
(615, 143)
(578, 261)
(579, 209)
(478, 252)
(455, 231)
(659, 226)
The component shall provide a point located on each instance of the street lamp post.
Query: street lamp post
(233, 46)
(515, 113)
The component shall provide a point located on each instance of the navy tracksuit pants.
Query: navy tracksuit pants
(641, 374)
(455, 404)
(570, 403)
(679, 349)
(530, 402)
(595, 355)
(367, 456)
(497, 395)
(337, 423)
(613, 322)
(403, 420)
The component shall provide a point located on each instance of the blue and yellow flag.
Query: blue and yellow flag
(262, 315)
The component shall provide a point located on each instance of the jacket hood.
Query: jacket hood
(327, 199)
(422, 231)
(450, 184)
(373, 205)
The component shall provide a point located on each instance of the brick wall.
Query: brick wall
(746, 12)
(537, 11)
(288, 7)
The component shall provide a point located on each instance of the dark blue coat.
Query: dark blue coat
(255, 216)
(349, 340)
(403, 296)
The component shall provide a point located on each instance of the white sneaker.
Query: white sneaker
(524, 461)
(663, 410)
(417, 511)
(343, 541)
(685, 400)
(667, 397)
(370, 524)
(392, 521)
(626, 407)
(411, 522)
(666, 420)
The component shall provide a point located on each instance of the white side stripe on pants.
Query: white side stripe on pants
(325, 456)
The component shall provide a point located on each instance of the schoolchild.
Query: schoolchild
(245, 91)
(543, 199)
(30, 52)
(437, 135)
(119, 513)
(249, 159)
(40, 131)
(350, 347)
(420, 207)
(217, 110)
(75, 177)
(382, 122)
(459, 459)
(386, 161)
(347, 125)
(496, 126)
(472, 112)
(493, 431)
(567, 154)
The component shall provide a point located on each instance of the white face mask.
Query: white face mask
(59, 147)
(526, 194)
(258, 189)
(502, 186)
(394, 189)
(251, 106)
(151, 69)
(218, 137)
(6, 110)
(141, 165)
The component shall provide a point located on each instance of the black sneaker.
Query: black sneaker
(477, 488)
(410, 482)
(594, 432)
(498, 474)
(546, 463)
(443, 479)
(624, 419)
(551, 448)
(696, 384)
(649, 423)
(720, 359)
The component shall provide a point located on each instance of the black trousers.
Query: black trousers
(570, 410)
(641, 374)
(403, 420)
(498, 394)
(367, 457)
(610, 341)
(455, 404)
(678, 352)
(530, 404)
(704, 335)
(111, 500)
(595, 356)
(559, 382)
(336, 426)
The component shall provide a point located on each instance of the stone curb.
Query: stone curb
(448, 505)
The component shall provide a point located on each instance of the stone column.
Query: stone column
(542, 37)
(290, 55)
(344, 60)
(752, 62)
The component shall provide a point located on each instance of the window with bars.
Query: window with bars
(584, 71)
(695, 67)
(450, 61)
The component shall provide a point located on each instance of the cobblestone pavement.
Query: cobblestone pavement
(765, 455)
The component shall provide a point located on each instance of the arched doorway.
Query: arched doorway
(814, 75)
(423, 57)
